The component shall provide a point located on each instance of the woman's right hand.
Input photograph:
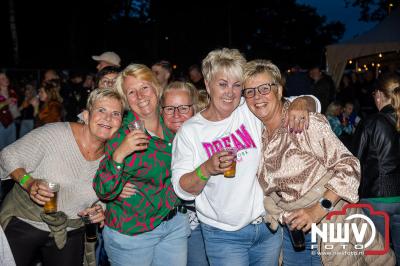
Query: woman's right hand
(135, 140)
(39, 192)
(219, 163)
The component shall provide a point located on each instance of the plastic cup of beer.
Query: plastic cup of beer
(51, 206)
(231, 172)
(137, 124)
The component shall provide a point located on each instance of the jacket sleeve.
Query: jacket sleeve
(108, 181)
(331, 152)
(386, 142)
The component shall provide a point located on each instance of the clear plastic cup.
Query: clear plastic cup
(231, 172)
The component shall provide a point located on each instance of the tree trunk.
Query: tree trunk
(13, 28)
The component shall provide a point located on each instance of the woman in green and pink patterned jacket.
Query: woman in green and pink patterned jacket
(146, 228)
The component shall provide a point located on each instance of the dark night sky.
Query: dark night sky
(336, 10)
(57, 46)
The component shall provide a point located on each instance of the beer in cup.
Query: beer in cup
(51, 206)
(231, 172)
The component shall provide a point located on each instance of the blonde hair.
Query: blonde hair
(204, 100)
(99, 94)
(396, 105)
(52, 89)
(259, 66)
(230, 61)
(389, 85)
(140, 72)
(182, 86)
(332, 107)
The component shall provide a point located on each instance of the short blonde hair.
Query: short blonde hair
(99, 94)
(140, 72)
(204, 100)
(259, 66)
(229, 61)
(182, 86)
(332, 107)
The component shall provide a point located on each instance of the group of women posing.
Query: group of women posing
(144, 176)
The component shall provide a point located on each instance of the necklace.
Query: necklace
(87, 152)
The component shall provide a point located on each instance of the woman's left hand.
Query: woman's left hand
(96, 214)
(302, 219)
(297, 117)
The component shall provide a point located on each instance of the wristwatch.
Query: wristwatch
(326, 204)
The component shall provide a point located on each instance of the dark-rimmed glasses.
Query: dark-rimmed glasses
(262, 89)
(182, 109)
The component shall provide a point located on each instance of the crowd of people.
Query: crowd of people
(144, 154)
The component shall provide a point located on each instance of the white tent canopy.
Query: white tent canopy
(384, 37)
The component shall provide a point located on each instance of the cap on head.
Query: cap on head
(109, 57)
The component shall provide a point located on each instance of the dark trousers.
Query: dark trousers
(29, 243)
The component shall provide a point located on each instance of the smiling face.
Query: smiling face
(176, 98)
(141, 96)
(105, 118)
(264, 106)
(225, 93)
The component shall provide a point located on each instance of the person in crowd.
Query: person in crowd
(150, 225)
(349, 116)
(346, 91)
(163, 72)
(323, 87)
(196, 77)
(230, 209)
(50, 108)
(106, 77)
(27, 110)
(8, 103)
(50, 74)
(305, 176)
(107, 59)
(377, 145)
(179, 103)
(68, 154)
(332, 114)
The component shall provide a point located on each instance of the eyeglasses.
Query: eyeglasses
(182, 109)
(107, 82)
(262, 89)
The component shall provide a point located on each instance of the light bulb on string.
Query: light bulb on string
(350, 61)
(380, 55)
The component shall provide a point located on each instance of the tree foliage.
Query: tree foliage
(373, 10)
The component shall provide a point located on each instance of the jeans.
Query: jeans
(254, 244)
(291, 257)
(393, 210)
(165, 245)
(196, 250)
(7, 135)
